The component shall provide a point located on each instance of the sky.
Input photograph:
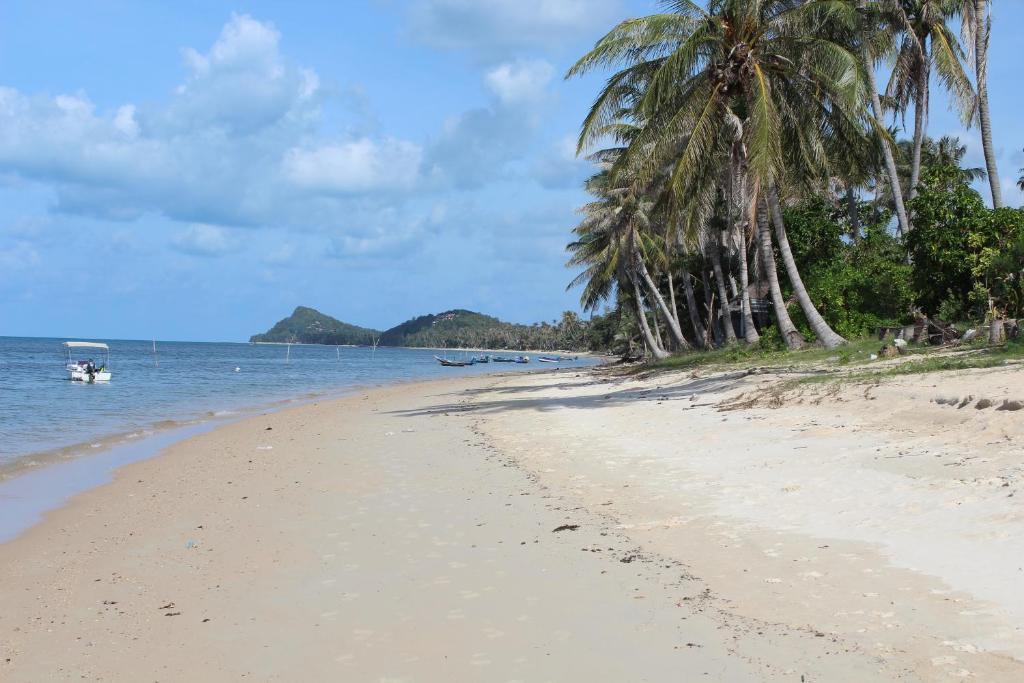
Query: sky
(195, 170)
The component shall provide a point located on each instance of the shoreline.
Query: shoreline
(18, 462)
(455, 528)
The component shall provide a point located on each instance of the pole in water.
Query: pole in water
(338, 349)
(156, 358)
(288, 355)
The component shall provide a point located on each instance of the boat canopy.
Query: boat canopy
(85, 345)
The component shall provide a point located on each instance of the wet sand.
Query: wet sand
(558, 526)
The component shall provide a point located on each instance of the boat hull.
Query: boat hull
(83, 376)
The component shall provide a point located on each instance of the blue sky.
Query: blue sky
(194, 170)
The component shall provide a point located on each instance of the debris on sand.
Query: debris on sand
(565, 527)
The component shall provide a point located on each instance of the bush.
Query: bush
(857, 286)
(964, 253)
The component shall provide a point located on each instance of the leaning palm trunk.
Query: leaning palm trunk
(672, 299)
(825, 334)
(673, 325)
(750, 334)
(890, 159)
(691, 306)
(641, 315)
(981, 39)
(723, 296)
(709, 309)
(920, 118)
(656, 328)
(794, 340)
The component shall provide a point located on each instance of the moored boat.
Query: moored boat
(87, 370)
(450, 363)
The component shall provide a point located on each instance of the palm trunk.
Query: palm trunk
(920, 118)
(672, 299)
(641, 315)
(794, 340)
(890, 159)
(713, 326)
(723, 295)
(981, 39)
(673, 324)
(656, 328)
(825, 334)
(750, 334)
(853, 211)
(691, 306)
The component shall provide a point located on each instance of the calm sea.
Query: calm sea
(185, 382)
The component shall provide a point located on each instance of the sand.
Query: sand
(409, 534)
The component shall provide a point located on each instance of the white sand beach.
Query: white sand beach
(412, 533)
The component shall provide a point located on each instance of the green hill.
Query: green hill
(310, 326)
(457, 328)
(454, 328)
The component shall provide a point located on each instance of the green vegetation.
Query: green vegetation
(964, 358)
(466, 329)
(751, 198)
(310, 326)
(453, 329)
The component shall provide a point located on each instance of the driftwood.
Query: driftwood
(923, 330)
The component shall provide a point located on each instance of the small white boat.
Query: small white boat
(88, 371)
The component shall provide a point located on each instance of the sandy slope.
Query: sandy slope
(372, 538)
(871, 514)
(407, 534)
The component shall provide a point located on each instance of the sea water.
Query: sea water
(187, 383)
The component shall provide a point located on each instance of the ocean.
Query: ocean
(186, 383)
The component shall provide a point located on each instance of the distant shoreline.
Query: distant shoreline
(563, 352)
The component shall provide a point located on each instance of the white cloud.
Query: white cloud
(358, 166)
(497, 27)
(204, 240)
(560, 168)
(236, 144)
(519, 81)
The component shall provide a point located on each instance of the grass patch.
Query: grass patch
(851, 357)
(743, 356)
(934, 359)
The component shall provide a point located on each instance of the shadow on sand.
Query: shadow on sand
(487, 400)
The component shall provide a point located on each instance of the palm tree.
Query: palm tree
(754, 78)
(976, 30)
(616, 238)
(875, 27)
(794, 340)
(927, 41)
(946, 151)
(949, 151)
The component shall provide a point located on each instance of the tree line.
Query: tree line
(750, 183)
